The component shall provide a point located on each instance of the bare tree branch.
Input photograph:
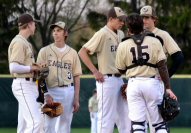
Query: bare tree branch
(78, 17)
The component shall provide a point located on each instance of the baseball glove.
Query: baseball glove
(54, 110)
(169, 108)
(44, 71)
(123, 91)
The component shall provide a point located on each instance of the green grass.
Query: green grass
(86, 130)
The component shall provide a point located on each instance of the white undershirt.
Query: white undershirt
(17, 68)
(62, 49)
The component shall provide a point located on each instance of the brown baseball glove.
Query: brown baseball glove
(43, 70)
(54, 110)
(123, 91)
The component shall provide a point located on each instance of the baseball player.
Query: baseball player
(169, 45)
(63, 81)
(21, 60)
(142, 57)
(93, 109)
(112, 109)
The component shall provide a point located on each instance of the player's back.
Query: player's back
(150, 50)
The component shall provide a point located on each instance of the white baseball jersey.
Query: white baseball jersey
(21, 52)
(127, 53)
(93, 103)
(104, 43)
(62, 65)
(170, 46)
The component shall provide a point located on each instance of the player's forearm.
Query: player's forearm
(83, 53)
(76, 87)
(163, 71)
(17, 68)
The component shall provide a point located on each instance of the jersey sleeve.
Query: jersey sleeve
(17, 53)
(41, 56)
(170, 44)
(94, 44)
(77, 70)
(119, 62)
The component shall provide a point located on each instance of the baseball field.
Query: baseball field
(87, 130)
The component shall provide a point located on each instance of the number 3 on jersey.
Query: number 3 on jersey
(69, 75)
(145, 55)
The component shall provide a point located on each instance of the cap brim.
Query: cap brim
(52, 26)
(123, 17)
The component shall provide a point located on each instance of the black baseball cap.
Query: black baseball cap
(26, 18)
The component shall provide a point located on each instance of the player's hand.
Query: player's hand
(172, 95)
(76, 105)
(35, 68)
(98, 76)
(48, 99)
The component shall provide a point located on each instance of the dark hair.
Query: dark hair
(135, 23)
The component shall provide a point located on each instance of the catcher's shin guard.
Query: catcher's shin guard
(138, 127)
(160, 126)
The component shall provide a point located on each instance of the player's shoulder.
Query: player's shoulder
(161, 33)
(46, 48)
(18, 42)
(70, 49)
(154, 40)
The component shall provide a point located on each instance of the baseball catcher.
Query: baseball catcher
(169, 108)
(53, 110)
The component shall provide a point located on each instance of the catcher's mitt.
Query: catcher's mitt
(123, 91)
(169, 108)
(53, 110)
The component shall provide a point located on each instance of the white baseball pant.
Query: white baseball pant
(144, 94)
(94, 121)
(112, 108)
(62, 123)
(29, 115)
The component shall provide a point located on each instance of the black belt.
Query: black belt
(142, 77)
(114, 75)
(72, 84)
(28, 79)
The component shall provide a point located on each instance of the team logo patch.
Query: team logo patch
(145, 10)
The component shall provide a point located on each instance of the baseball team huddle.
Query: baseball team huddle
(141, 54)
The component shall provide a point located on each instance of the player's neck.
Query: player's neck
(24, 33)
(59, 44)
(111, 27)
(151, 28)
